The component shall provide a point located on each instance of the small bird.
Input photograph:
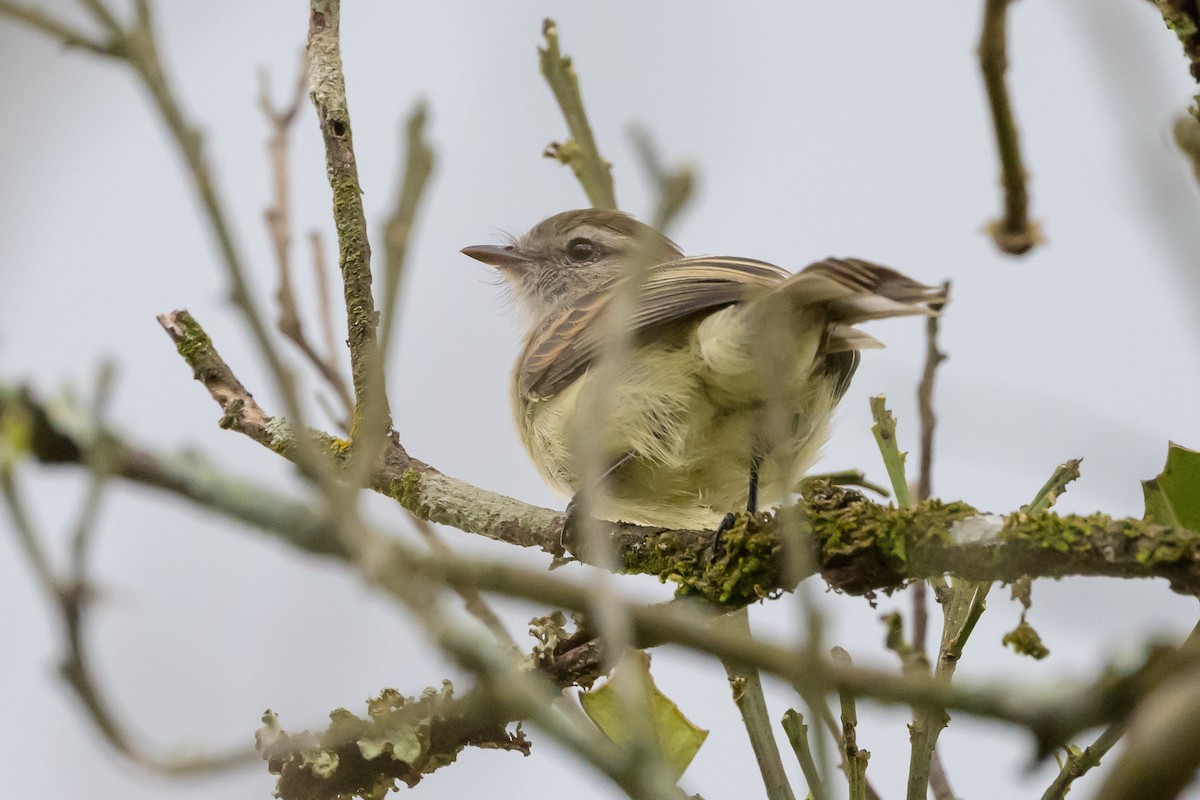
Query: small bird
(723, 398)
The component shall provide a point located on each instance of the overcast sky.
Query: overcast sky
(817, 129)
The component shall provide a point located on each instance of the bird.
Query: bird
(732, 367)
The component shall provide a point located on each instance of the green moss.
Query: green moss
(194, 346)
(1025, 640)
(737, 567)
(407, 490)
(857, 536)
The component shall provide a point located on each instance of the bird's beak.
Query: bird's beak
(498, 256)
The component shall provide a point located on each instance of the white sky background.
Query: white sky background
(849, 129)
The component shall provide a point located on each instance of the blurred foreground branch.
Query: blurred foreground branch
(1014, 233)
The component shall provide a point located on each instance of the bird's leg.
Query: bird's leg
(751, 495)
(573, 524)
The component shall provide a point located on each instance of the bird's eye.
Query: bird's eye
(581, 250)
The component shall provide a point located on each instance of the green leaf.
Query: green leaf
(678, 737)
(1173, 498)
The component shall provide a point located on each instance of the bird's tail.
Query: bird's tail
(854, 291)
(851, 291)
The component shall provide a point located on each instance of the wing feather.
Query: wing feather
(850, 290)
(567, 343)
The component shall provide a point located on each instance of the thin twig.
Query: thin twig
(612, 622)
(938, 780)
(474, 602)
(752, 703)
(102, 14)
(893, 460)
(1014, 233)
(418, 166)
(1046, 497)
(674, 186)
(856, 758)
(279, 225)
(580, 153)
(1079, 762)
(135, 44)
(324, 296)
(933, 359)
(834, 726)
(797, 733)
(71, 597)
(55, 28)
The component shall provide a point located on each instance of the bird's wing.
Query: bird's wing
(849, 290)
(566, 343)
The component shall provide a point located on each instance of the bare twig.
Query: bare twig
(933, 359)
(613, 625)
(1046, 497)
(474, 602)
(938, 780)
(324, 296)
(55, 28)
(855, 758)
(72, 597)
(580, 152)
(752, 703)
(893, 460)
(674, 186)
(135, 45)
(279, 224)
(797, 733)
(327, 86)
(1014, 233)
(418, 166)
(1079, 762)
(1160, 758)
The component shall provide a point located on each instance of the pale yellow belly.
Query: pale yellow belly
(692, 420)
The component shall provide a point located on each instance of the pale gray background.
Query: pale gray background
(850, 128)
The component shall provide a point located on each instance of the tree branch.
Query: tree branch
(1052, 716)
(72, 597)
(327, 88)
(1014, 233)
(674, 186)
(279, 224)
(1079, 761)
(856, 759)
(580, 152)
(862, 546)
(752, 704)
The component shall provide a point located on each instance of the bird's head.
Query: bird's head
(569, 254)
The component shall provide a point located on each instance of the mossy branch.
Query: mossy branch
(580, 152)
(1052, 717)
(861, 546)
(327, 89)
